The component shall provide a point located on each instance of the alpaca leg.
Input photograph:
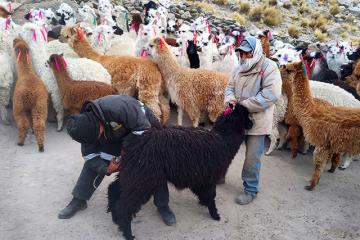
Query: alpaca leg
(206, 195)
(4, 101)
(293, 136)
(321, 156)
(23, 125)
(194, 115)
(59, 109)
(165, 109)
(335, 161)
(282, 135)
(180, 116)
(273, 141)
(39, 129)
(304, 146)
(346, 161)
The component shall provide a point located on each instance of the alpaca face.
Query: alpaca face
(87, 13)
(35, 15)
(66, 13)
(105, 9)
(171, 26)
(286, 56)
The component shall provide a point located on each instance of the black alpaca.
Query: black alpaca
(193, 55)
(322, 73)
(193, 158)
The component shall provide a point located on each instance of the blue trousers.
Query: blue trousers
(252, 164)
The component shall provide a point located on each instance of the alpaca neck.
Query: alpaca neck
(167, 63)
(23, 67)
(83, 48)
(63, 79)
(303, 101)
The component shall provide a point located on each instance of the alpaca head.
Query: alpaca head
(158, 47)
(286, 55)
(102, 34)
(234, 119)
(21, 49)
(6, 9)
(355, 55)
(293, 73)
(66, 14)
(105, 8)
(171, 26)
(66, 33)
(57, 62)
(88, 14)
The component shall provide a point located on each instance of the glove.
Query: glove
(114, 167)
(230, 103)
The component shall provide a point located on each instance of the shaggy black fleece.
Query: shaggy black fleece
(193, 158)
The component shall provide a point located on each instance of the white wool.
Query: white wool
(8, 68)
(57, 47)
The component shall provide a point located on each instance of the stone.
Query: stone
(186, 15)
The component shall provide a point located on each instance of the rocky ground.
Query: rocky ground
(35, 186)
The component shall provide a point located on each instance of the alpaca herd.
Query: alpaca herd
(159, 59)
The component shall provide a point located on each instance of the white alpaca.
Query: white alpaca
(57, 47)
(208, 51)
(88, 18)
(7, 63)
(79, 68)
(146, 33)
(228, 60)
(67, 13)
(335, 58)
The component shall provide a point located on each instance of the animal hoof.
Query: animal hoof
(216, 217)
(294, 155)
(59, 129)
(309, 188)
(20, 144)
(342, 168)
(41, 148)
(331, 170)
(130, 237)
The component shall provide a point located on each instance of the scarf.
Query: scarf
(247, 64)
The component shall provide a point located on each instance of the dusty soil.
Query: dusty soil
(35, 186)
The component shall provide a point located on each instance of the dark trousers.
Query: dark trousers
(93, 173)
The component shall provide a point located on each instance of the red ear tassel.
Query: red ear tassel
(194, 38)
(227, 111)
(351, 44)
(214, 39)
(43, 34)
(34, 34)
(7, 23)
(337, 43)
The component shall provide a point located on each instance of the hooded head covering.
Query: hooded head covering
(83, 128)
(247, 64)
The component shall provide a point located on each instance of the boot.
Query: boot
(245, 198)
(70, 210)
(167, 215)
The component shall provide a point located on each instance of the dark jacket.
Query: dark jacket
(120, 115)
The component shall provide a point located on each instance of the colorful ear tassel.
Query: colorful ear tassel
(57, 64)
(18, 56)
(227, 111)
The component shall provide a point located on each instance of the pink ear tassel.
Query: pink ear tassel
(65, 63)
(99, 38)
(57, 64)
(161, 43)
(194, 38)
(351, 44)
(30, 14)
(269, 35)
(10, 7)
(18, 56)
(27, 58)
(231, 50)
(34, 34)
(40, 14)
(7, 24)
(43, 34)
(312, 63)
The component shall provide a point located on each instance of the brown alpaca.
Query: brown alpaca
(332, 130)
(265, 42)
(295, 133)
(354, 78)
(76, 93)
(171, 41)
(30, 100)
(193, 90)
(132, 76)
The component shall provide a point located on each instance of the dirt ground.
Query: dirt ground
(36, 186)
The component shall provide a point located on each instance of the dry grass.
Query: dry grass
(355, 41)
(293, 31)
(305, 22)
(319, 22)
(350, 18)
(272, 16)
(238, 18)
(221, 2)
(332, 2)
(256, 13)
(304, 9)
(287, 5)
(320, 35)
(205, 6)
(244, 6)
(272, 2)
(344, 35)
(334, 9)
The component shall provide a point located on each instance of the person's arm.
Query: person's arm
(230, 90)
(270, 92)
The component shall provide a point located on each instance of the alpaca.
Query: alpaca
(79, 68)
(130, 75)
(56, 47)
(66, 14)
(193, 55)
(6, 9)
(192, 158)
(7, 63)
(193, 90)
(330, 129)
(354, 79)
(265, 38)
(75, 93)
(30, 99)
